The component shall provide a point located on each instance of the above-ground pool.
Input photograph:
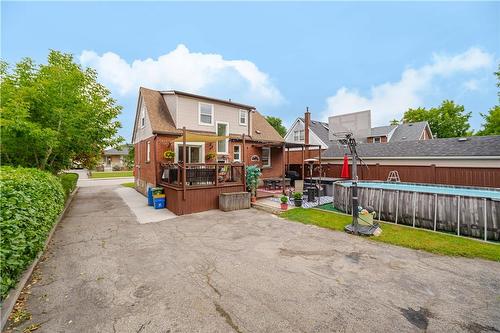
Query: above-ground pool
(466, 211)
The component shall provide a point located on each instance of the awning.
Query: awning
(194, 137)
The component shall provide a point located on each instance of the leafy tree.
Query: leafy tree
(491, 124)
(54, 113)
(448, 120)
(394, 122)
(277, 124)
(129, 159)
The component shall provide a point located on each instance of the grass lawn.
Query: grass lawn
(131, 184)
(111, 174)
(418, 239)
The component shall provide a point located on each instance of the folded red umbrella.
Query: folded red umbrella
(345, 168)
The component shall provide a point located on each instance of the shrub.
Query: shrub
(284, 199)
(30, 202)
(68, 182)
(116, 167)
(253, 174)
(297, 195)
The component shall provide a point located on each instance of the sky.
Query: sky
(334, 57)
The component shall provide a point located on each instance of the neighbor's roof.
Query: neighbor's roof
(112, 151)
(162, 122)
(409, 131)
(458, 147)
(319, 128)
(382, 130)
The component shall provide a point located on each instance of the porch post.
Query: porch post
(284, 169)
(243, 160)
(184, 163)
(320, 169)
(303, 171)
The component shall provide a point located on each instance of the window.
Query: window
(194, 152)
(376, 139)
(222, 130)
(298, 135)
(143, 117)
(148, 151)
(205, 114)
(243, 117)
(237, 153)
(266, 157)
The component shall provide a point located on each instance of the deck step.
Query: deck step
(266, 208)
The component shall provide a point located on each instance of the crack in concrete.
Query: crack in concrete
(223, 313)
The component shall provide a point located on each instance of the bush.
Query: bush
(68, 182)
(297, 195)
(116, 167)
(30, 202)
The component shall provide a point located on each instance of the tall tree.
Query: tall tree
(448, 120)
(277, 124)
(491, 125)
(54, 113)
(394, 122)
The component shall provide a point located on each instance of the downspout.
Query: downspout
(156, 164)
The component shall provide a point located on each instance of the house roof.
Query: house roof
(382, 130)
(319, 128)
(162, 121)
(113, 151)
(409, 131)
(450, 147)
(159, 115)
(221, 101)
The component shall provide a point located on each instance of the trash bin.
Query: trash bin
(159, 201)
(150, 196)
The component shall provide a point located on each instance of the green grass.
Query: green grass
(111, 174)
(418, 239)
(131, 184)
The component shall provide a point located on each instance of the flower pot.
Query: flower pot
(297, 202)
(253, 199)
(284, 206)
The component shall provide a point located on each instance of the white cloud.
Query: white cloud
(390, 100)
(471, 85)
(184, 70)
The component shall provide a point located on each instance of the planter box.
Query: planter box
(234, 201)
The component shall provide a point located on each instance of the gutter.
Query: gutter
(422, 158)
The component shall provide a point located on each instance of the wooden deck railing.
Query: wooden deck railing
(202, 174)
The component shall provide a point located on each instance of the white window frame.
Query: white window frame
(198, 144)
(143, 117)
(148, 151)
(227, 134)
(239, 153)
(269, 159)
(245, 113)
(302, 135)
(199, 114)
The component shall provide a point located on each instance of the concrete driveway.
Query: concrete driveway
(246, 271)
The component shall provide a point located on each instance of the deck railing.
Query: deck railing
(201, 174)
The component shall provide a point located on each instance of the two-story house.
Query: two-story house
(196, 147)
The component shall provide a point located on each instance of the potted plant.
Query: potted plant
(284, 202)
(252, 177)
(169, 155)
(297, 199)
(211, 156)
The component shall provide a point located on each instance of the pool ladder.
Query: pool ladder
(393, 176)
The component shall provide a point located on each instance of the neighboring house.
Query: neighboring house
(114, 157)
(402, 132)
(472, 161)
(236, 134)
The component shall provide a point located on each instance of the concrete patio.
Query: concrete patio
(246, 271)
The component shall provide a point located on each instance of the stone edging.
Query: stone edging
(8, 303)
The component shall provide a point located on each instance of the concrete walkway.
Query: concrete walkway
(246, 271)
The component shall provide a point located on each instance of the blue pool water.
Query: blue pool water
(462, 191)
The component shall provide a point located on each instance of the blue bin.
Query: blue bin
(150, 196)
(159, 203)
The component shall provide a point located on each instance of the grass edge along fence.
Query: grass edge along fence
(30, 202)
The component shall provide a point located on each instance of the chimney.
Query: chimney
(307, 121)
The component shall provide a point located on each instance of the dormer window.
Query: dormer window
(243, 117)
(206, 114)
(376, 139)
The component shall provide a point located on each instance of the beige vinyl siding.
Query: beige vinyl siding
(142, 132)
(187, 115)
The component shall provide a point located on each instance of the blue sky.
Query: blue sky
(281, 57)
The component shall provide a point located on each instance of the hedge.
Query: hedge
(68, 181)
(30, 202)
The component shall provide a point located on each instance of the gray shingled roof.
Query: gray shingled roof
(113, 151)
(320, 129)
(409, 131)
(382, 130)
(471, 146)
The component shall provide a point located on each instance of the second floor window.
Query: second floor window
(376, 139)
(205, 114)
(243, 117)
(298, 135)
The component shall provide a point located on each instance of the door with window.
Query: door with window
(193, 153)
(222, 130)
